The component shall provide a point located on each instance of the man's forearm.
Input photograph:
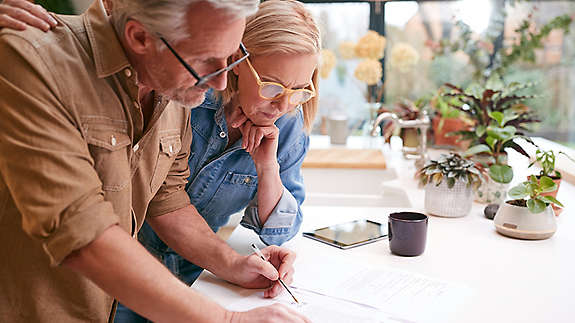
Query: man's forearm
(124, 269)
(186, 231)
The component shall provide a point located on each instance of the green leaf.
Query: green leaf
(452, 114)
(491, 142)
(509, 117)
(501, 173)
(437, 178)
(481, 148)
(551, 199)
(503, 134)
(497, 116)
(518, 192)
(547, 184)
(450, 182)
(475, 90)
(502, 159)
(494, 83)
(480, 130)
(536, 206)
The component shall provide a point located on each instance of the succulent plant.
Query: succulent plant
(450, 167)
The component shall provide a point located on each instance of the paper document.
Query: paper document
(318, 308)
(407, 295)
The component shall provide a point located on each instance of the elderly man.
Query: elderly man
(93, 141)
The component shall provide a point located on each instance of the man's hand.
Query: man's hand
(269, 314)
(260, 141)
(254, 272)
(18, 14)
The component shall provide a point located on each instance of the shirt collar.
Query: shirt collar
(109, 55)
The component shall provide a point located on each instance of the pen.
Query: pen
(261, 255)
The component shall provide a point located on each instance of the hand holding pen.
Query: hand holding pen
(260, 254)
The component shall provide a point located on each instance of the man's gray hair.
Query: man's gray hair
(167, 17)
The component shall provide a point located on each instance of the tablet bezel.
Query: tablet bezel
(341, 245)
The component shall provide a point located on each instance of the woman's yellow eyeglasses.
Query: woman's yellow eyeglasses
(273, 90)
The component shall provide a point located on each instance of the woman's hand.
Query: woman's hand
(260, 141)
(18, 14)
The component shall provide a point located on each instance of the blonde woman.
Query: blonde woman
(249, 142)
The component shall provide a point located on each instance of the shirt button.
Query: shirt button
(247, 180)
(222, 134)
(136, 147)
(113, 141)
(128, 72)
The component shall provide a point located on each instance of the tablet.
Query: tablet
(350, 234)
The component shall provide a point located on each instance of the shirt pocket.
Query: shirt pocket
(109, 149)
(232, 195)
(170, 146)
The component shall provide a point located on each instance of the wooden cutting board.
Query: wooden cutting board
(345, 158)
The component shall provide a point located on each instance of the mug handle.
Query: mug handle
(389, 232)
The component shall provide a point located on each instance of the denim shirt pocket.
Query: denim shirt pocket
(232, 195)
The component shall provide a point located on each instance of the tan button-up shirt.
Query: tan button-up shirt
(75, 159)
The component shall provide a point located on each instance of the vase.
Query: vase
(491, 191)
(518, 222)
(449, 202)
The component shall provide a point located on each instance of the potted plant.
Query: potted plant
(477, 103)
(498, 136)
(546, 160)
(449, 183)
(529, 215)
(447, 121)
(499, 117)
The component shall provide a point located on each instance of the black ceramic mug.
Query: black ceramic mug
(407, 232)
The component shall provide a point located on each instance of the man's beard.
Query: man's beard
(189, 98)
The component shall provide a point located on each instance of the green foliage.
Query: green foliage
(500, 117)
(546, 159)
(64, 7)
(497, 136)
(451, 167)
(531, 191)
(494, 101)
(501, 173)
(529, 41)
(488, 56)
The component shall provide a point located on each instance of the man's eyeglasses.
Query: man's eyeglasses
(204, 79)
(273, 90)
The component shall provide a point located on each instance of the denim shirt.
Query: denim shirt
(224, 181)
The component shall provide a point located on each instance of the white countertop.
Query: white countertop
(512, 280)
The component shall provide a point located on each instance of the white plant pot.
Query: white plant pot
(519, 222)
(491, 192)
(448, 202)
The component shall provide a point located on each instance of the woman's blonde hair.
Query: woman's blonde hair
(281, 27)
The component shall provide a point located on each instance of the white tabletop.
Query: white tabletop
(512, 280)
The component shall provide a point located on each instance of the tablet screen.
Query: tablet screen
(349, 234)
